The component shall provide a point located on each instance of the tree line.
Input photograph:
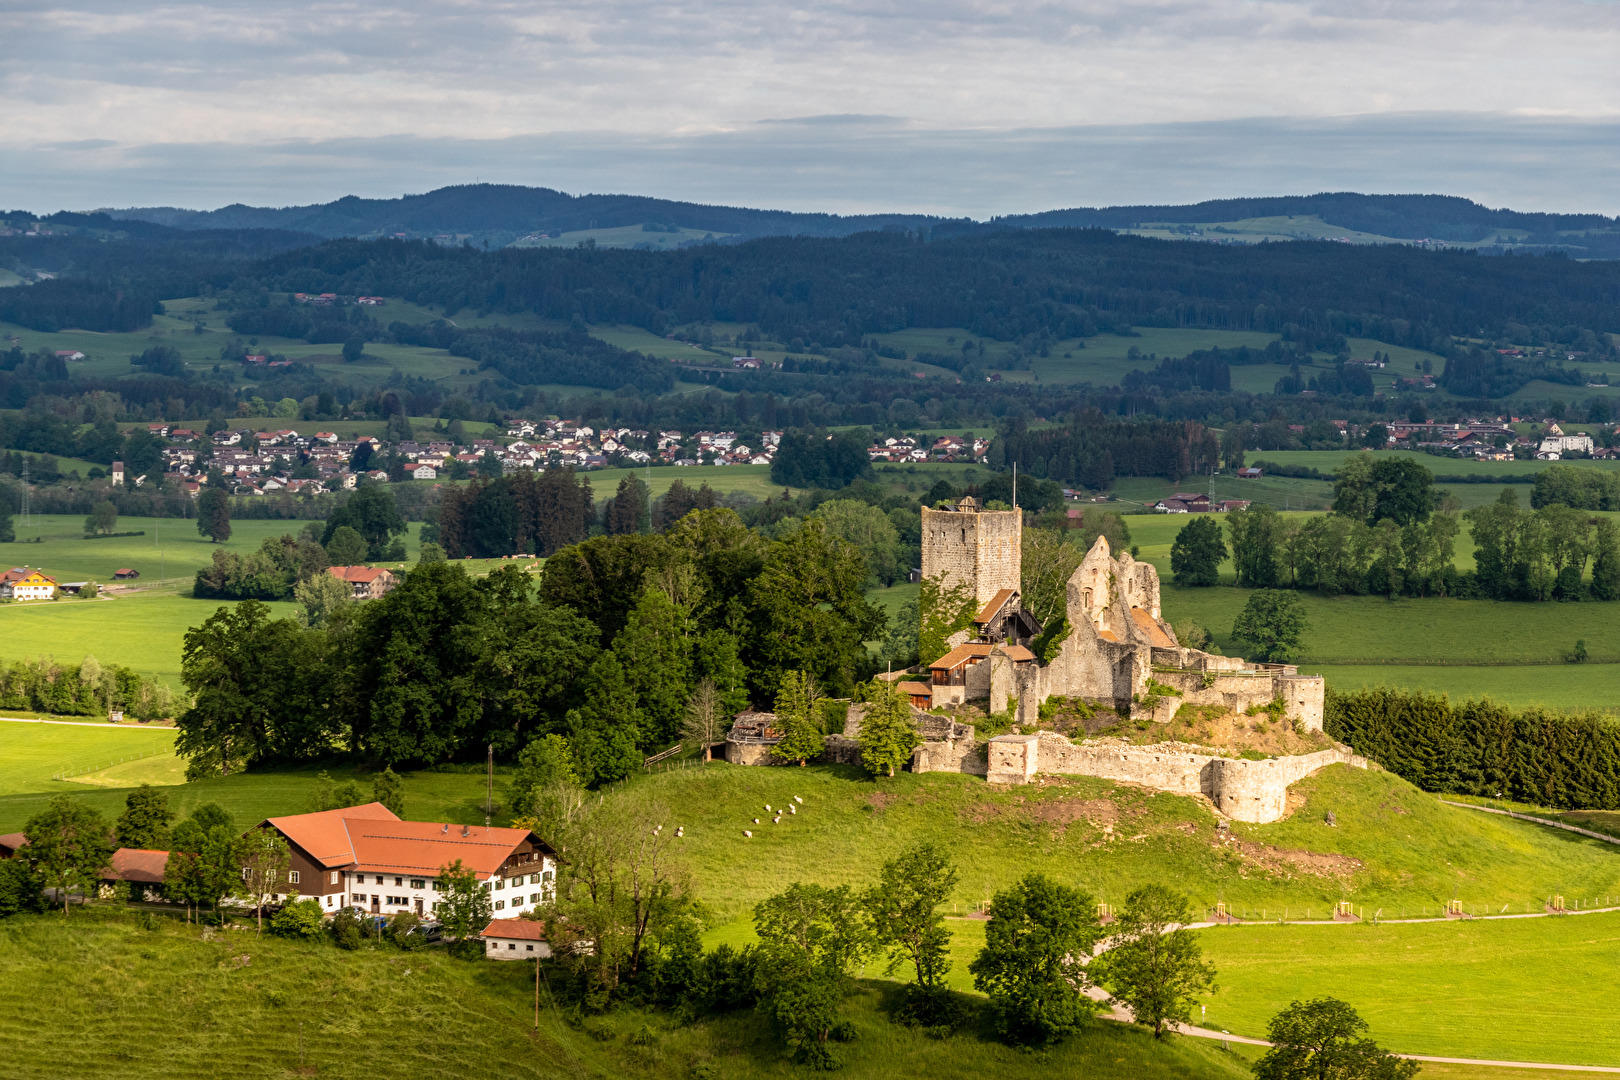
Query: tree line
(1390, 535)
(1481, 747)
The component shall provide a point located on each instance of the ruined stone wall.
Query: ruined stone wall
(1304, 698)
(1243, 790)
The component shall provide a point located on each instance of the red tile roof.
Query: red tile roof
(11, 841)
(139, 864)
(1155, 635)
(1017, 653)
(364, 574)
(370, 838)
(994, 606)
(517, 929)
(973, 650)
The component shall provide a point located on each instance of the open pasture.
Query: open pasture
(32, 753)
(1507, 989)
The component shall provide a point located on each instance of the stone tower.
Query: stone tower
(979, 548)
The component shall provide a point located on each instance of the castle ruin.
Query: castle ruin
(1118, 652)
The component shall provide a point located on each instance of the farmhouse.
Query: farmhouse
(515, 939)
(21, 583)
(367, 858)
(368, 583)
(126, 573)
(10, 842)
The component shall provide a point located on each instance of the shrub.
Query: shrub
(299, 919)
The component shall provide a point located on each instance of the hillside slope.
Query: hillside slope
(97, 995)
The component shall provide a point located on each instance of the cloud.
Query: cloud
(1525, 163)
(1039, 80)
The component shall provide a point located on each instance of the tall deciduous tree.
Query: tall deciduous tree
(888, 734)
(1324, 1038)
(605, 728)
(1050, 558)
(655, 649)
(103, 518)
(1273, 624)
(1156, 966)
(1030, 965)
(811, 939)
(214, 515)
(1256, 533)
(371, 512)
(346, 547)
(1197, 553)
(810, 611)
(903, 909)
(544, 763)
(69, 845)
(802, 737)
(145, 820)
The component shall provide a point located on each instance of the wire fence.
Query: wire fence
(76, 771)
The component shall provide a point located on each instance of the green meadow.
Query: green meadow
(32, 753)
(1507, 989)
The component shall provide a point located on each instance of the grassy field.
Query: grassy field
(275, 1009)
(30, 754)
(1557, 686)
(1506, 989)
(1329, 460)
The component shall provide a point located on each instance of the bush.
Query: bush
(299, 919)
(346, 929)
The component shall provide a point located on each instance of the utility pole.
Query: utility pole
(537, 993)
(489, 789)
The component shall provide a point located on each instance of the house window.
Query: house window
(328, 901)
(530, 948)
(500, 905)
(335, 876)
(546, 876)
(534, 898)
(244, 873)
(418, 883)
(399, 881)
(517, 901)
(494, 945)
(292, 877)
(358, 898)
(500, 884)
(379, 879)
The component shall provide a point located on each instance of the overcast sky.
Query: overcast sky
(953, 106)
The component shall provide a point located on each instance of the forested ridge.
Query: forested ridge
(1059, 282)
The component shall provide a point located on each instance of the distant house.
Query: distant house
(367, 582)
(117, 472)
(921, 694)
(69, 354)
(126, 574)
(20, 583)
(424, 472)
(10, 842)
(370, 301)
(1250, 473)
(515, 939)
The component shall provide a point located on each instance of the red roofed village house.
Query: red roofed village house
(368, 583)
(365, 857)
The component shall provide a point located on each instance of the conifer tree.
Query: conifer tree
(802, 738)
(887, 734)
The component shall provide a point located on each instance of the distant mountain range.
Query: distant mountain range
(503, 214)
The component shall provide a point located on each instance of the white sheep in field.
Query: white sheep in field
(747, 833)
(797, 799)
(756, 821)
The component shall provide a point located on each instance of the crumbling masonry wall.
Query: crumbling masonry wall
(1244, 790)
